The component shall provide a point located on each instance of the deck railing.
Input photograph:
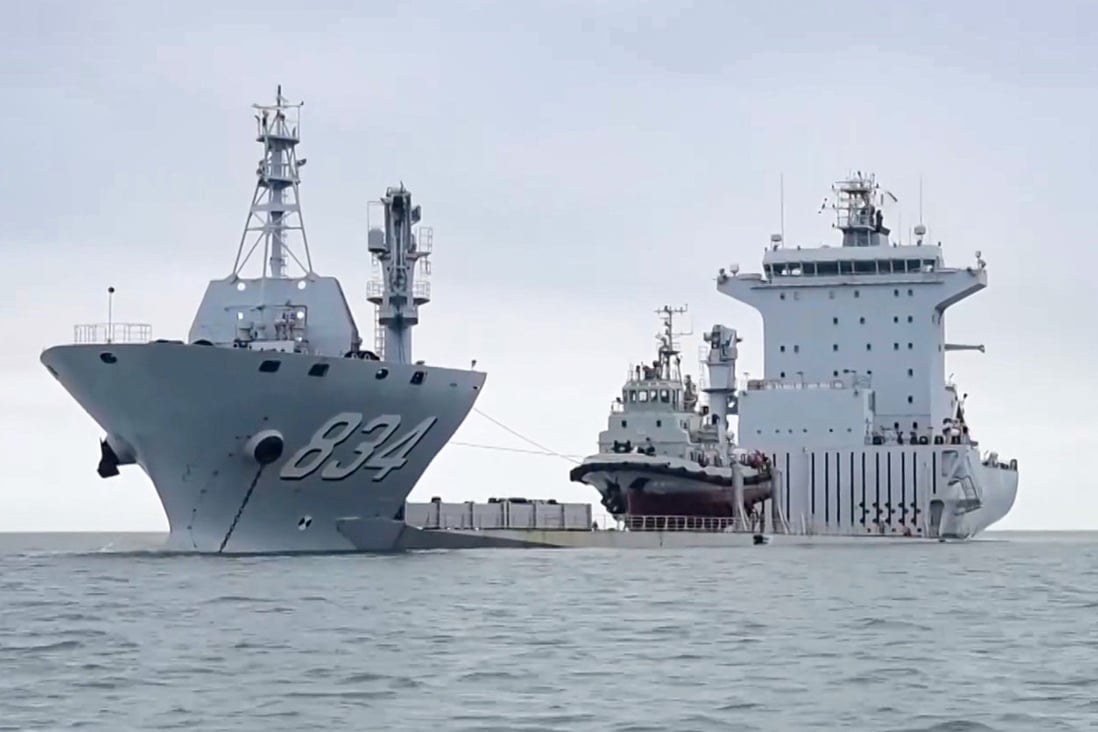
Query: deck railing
(680, 523)
(112, 333)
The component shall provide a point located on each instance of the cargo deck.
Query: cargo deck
(528, 523)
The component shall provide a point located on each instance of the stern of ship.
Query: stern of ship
(978, 495)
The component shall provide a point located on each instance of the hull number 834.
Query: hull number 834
(380, 451)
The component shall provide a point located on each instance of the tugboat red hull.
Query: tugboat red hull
(712, 503)
(639, 486)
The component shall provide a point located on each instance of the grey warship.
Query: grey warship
(270, 429)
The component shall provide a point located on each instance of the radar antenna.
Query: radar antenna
(275, 211)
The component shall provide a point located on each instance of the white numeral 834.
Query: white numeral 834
(372, 453)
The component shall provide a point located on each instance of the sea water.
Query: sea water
(103, 632)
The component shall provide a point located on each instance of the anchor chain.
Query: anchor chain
(240, 511)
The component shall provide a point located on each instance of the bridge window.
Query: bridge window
(665, 396)
(895, 293)
(642, 396)
(632, 395)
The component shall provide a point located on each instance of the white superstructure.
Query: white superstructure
(854, 407)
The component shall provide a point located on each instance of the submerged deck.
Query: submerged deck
(538, 523)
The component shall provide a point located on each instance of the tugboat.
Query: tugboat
(664, 462)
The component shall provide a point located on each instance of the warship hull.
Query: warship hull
(313, 454)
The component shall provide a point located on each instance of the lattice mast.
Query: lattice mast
(398, 254)
(275, 213)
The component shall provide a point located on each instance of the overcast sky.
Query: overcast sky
(582, 163)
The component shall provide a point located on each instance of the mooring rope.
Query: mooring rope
(500, 448)
(544, 450)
